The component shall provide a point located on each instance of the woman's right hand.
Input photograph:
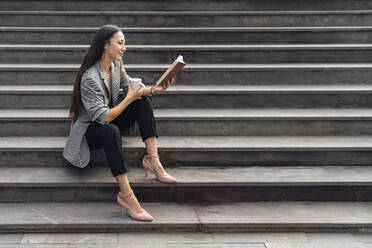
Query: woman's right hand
(135, 94)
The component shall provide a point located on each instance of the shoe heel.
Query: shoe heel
(146, 173)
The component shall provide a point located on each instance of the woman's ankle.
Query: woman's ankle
(152, 155)
(126, 192)
(157, 163)
(131, 200)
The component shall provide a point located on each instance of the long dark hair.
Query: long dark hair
(94, 53)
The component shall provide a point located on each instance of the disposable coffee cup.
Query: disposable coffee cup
(135, 82)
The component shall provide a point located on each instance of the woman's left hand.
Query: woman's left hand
(159, 89)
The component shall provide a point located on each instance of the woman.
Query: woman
(99, 118)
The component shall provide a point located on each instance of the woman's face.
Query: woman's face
(115, 48)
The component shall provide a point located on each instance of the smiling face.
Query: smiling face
(115, 48)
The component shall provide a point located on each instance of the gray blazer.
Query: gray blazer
(96, 98)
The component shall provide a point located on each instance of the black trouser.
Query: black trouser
(109, 136)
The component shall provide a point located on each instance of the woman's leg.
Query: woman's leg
(152, 150)
(142, 112)
(108, 137)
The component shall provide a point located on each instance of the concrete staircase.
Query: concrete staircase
(268, 128)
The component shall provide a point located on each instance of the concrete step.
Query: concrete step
(183, 5)
(219, 54)
(185, 239)
(206, 96)
(170, 217)
(203, 74)
(195, 122)
(192, 35)
(205, 150)
(195, 184)
(185, 18)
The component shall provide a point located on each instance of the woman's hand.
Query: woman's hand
(135, 94)
(159, 89)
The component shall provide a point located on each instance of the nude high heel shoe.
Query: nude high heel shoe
(150, 167)
(144, 216)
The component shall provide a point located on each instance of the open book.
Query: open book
(172, 71)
